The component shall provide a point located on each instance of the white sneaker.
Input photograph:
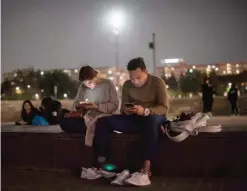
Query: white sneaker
(90, 174)
(138, 179)
(106, 174)
(209, 114)
(119, 180)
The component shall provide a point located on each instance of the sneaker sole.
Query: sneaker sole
(117, 183)
(134, 184)
(108, 176)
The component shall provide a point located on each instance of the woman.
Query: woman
(95, 96)
(28, 113)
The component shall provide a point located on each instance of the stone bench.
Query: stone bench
(208, 154)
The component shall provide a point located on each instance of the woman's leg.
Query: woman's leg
(73, 125)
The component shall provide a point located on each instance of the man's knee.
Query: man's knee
(153, 123)
(156, 120)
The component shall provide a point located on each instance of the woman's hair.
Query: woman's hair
(23, 111)
(87, 73)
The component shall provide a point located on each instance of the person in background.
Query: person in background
(143, 111)
(45, 109)
(28, 113)
(208, 92)
(95, 96)
(232, 97)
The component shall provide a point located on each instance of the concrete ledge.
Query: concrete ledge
(208, 154)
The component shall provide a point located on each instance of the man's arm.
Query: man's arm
(125, 96)
(162, 99)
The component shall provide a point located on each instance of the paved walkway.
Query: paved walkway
(14, 180)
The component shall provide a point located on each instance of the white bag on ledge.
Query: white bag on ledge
(198, 123)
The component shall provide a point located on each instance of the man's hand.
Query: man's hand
(129, 111)
(137, 109)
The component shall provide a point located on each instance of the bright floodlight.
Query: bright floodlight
(116, 20)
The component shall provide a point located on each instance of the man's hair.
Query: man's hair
(46, 102)
(87, 73)
(136, 63)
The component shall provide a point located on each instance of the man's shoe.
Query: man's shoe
(138, 179)
(106, 174)
(90, 174)
(120, 179)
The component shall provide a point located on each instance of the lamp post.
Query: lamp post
(116, 19)
(116, 32)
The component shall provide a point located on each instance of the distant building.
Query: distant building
(177, 69)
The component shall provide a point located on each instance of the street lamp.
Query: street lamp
(116, 20)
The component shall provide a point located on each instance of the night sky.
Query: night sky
(68, 33)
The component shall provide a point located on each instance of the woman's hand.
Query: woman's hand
(23, 122)
(89, 106)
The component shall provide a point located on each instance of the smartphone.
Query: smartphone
(129, 105)
(84, 103)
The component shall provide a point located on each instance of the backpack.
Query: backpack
(39, 121)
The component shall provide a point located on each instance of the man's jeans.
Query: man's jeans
(147, 126)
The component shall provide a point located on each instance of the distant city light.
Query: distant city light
(42, 90)
(76, 70)
(229, 84)
(191, 70)
(179, 96)
(167, 86)
(37, 96)
(190, 95)
(111, 78)
(18, 90)
(65, 95)
(194, 67)
(237, 65)
(213, 66)
(15, 74)
(216, 69)
(41, 73)
(224, 72)
(28, 86)
(109, 72)
(228, 64)
(237, 71)
(173, 69)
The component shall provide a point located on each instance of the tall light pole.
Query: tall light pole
(152, 46)
(116, 19)
(116, 32)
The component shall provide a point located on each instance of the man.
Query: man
(207, 97)
(143, 110)
(233, 99)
